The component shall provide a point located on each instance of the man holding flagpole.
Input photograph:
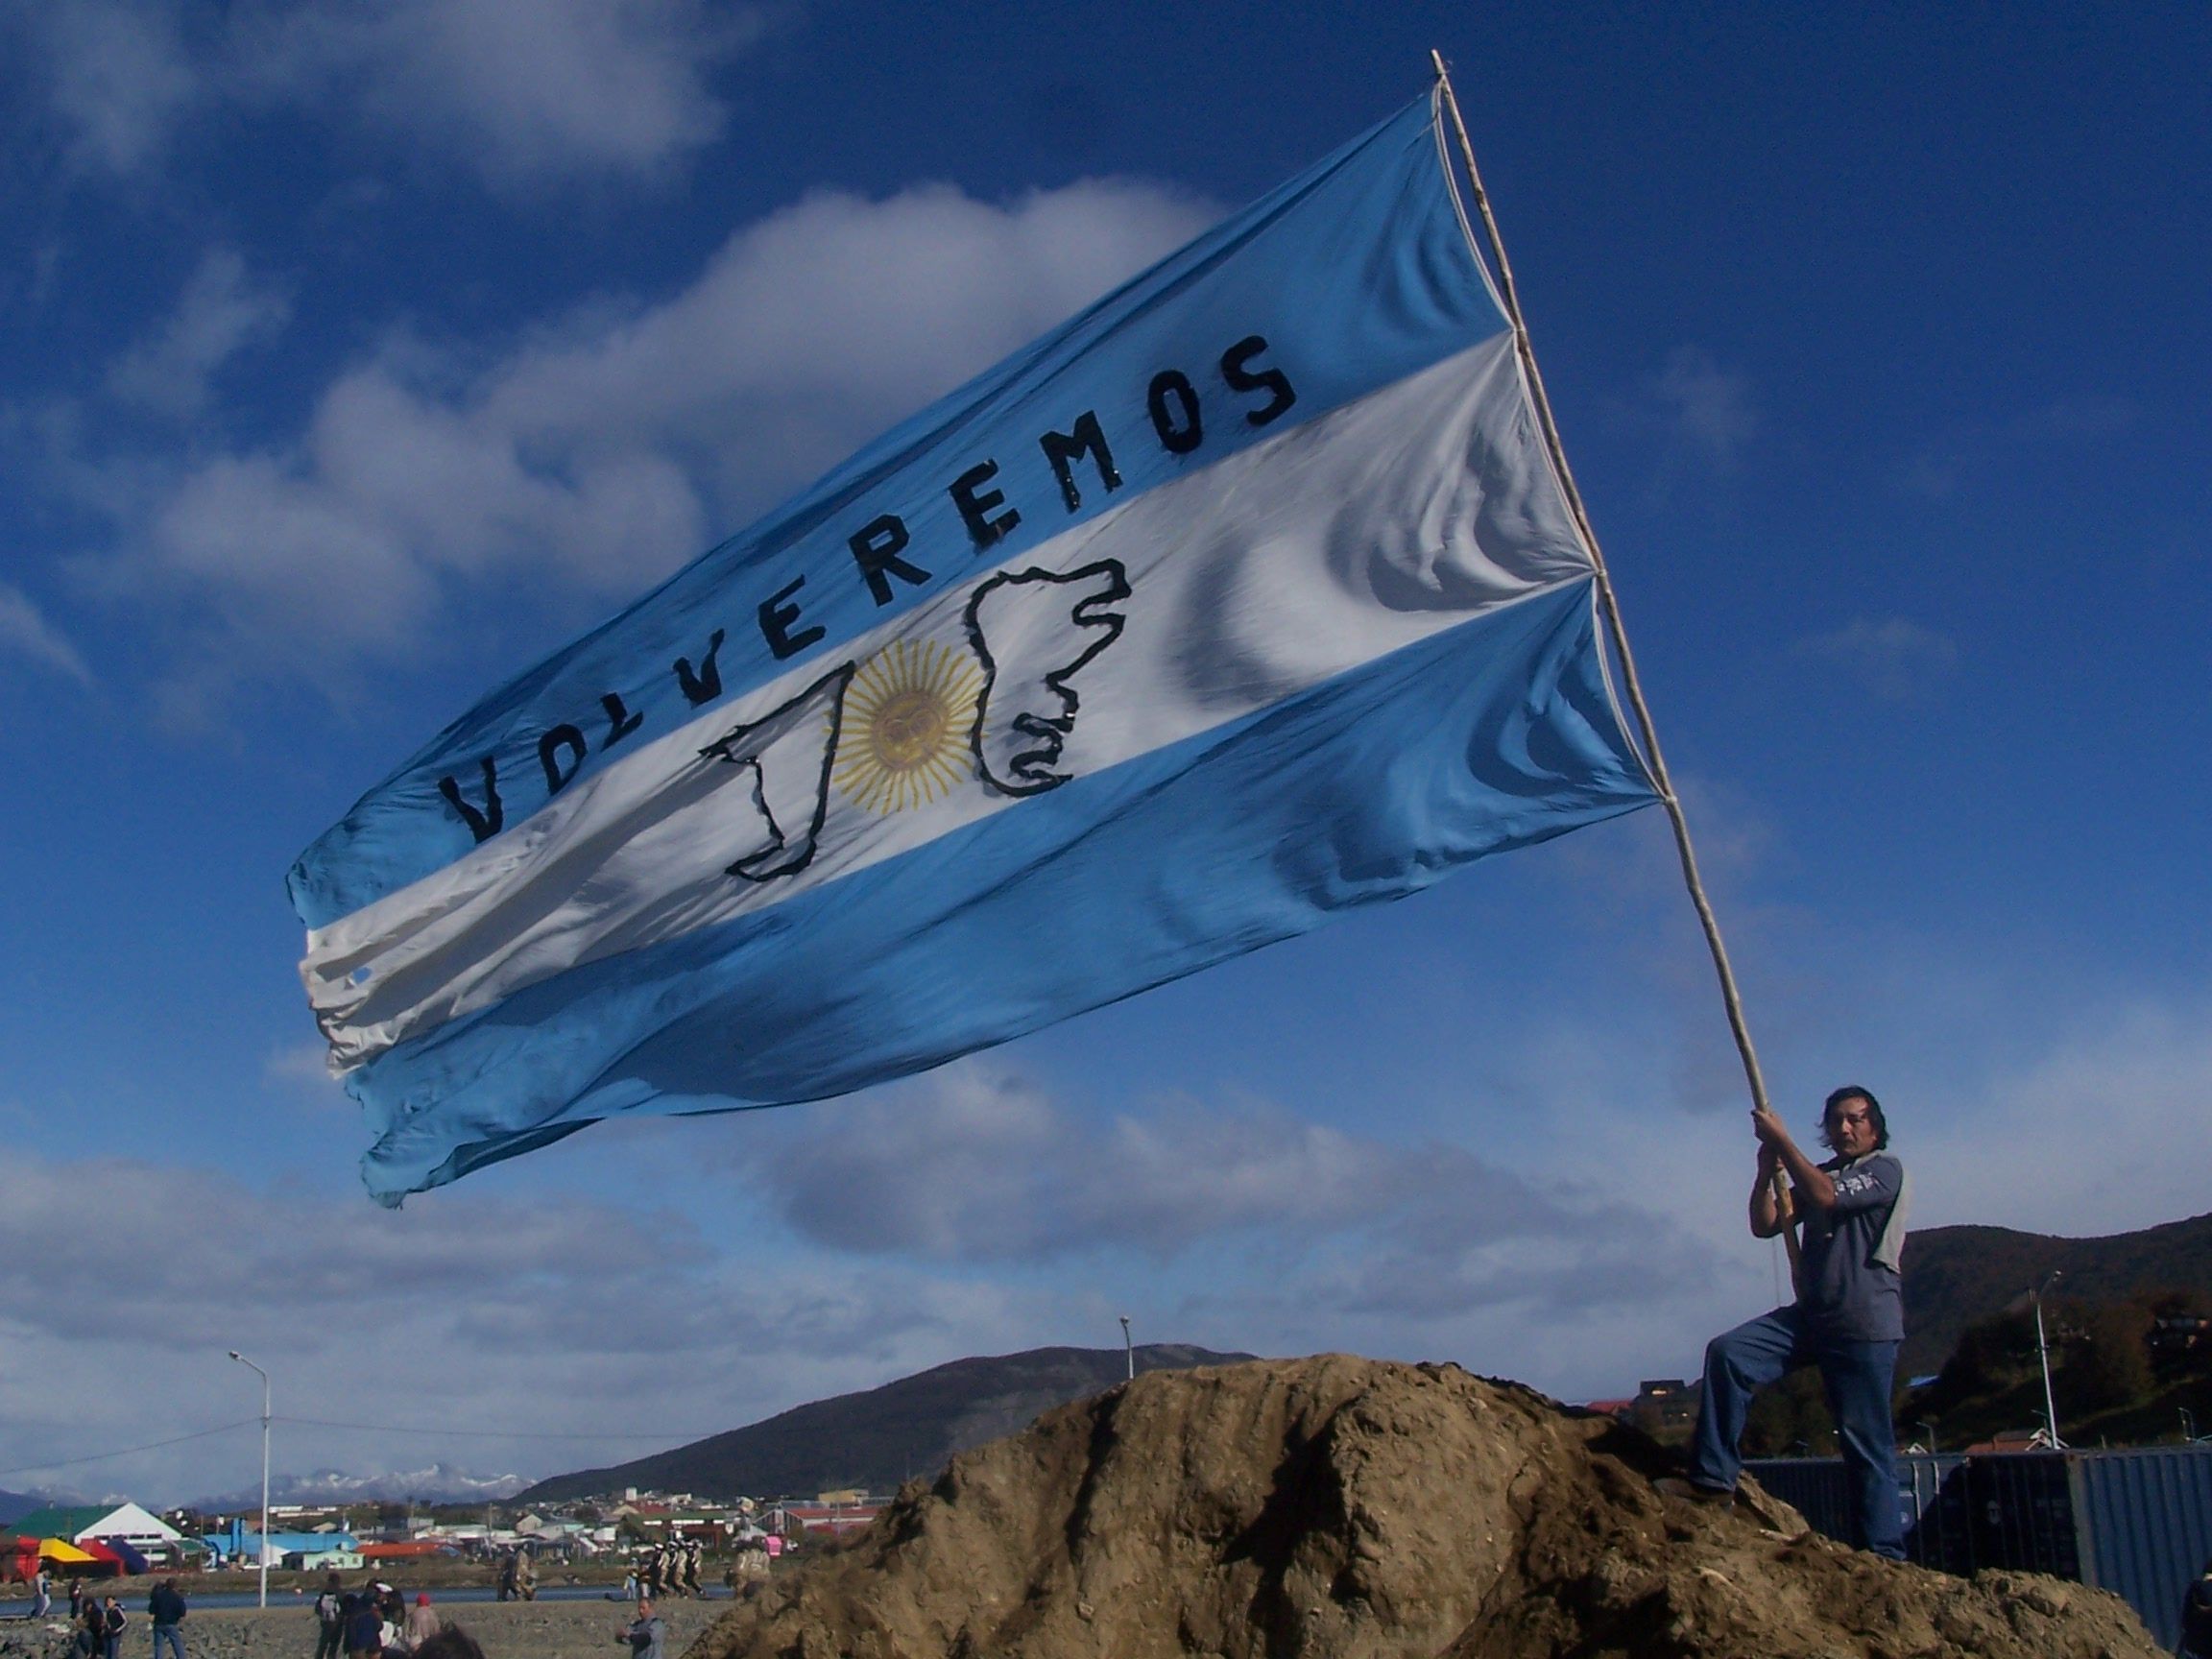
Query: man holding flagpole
(1848, 1318)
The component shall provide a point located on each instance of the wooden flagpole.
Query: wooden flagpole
(1610, 607)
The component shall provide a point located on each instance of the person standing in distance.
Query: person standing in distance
(646, 1634)
(1848, 1318)
(330, 1620)
(166, 1609)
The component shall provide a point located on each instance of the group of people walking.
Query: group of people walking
(671, 1567)
(370, 1622)
(517, 1577)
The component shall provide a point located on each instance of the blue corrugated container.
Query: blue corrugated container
(2023, 1514)
(2145, 1523)
(2137, 1523)
(1931, 1498)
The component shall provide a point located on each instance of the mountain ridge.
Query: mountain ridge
(876, 1438)
(1957, 1275)
(440, 1484)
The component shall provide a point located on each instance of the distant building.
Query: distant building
(109, 1522)
(1665, 1406)
(791, 1520)
(323, 1560)
(408, 1549)
(242, 1548)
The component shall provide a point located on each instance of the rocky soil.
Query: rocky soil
(1342, 1507)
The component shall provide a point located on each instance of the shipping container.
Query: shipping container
(2022, 1505)
(2137, 1523)
(1932, 1500)
(2145, 1523)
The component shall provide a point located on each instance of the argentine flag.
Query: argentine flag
(1243, 597)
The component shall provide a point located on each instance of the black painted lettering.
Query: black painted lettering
(621, 722)
(704, 685)
(1065, 449)
(876, 549)
(1173, 385)
(1237, 369)
(485, 823)
(549, 749)
(777, 613)
(976, 505)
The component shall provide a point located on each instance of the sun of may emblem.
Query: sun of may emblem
(906, 724)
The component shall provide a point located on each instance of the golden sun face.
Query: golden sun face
(908, 717)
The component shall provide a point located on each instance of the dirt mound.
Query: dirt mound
(1337, 1505)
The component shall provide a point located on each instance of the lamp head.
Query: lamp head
(235, 1355)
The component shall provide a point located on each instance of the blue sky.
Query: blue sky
(354, 356)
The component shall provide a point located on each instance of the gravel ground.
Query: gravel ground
(584, 1629)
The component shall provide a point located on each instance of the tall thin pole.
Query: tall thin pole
(1128, 1348)
(2043, 1353)
(263, 1550)
(1607, 602)
(1610, 606)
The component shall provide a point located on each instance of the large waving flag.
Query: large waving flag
(1246, 596)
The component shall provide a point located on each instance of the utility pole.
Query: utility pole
(2043, 1353)
(264, 1549)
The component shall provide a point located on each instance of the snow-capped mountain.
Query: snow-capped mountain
(440, 1484)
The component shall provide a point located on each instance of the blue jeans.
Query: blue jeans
(1857, 1378)
(172, 1636)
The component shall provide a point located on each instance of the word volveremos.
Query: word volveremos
(991, 500)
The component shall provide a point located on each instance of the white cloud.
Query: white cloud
(25, 631)
(986, 1218)
(2098, 1129)
(118, 75)
(476, 1317)
(605, 446)
(1707, 410)
(522, 95)
(1893, 657)
(972, 1165)
(223, 311)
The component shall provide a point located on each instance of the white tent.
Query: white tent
(136, 1526)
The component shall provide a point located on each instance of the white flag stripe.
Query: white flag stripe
(1370, 528)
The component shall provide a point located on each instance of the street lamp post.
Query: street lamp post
(263, 1550)
(2043, 1353)
(1128, 1348)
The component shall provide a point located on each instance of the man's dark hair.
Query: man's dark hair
(1852, 1092)
(450, 1642)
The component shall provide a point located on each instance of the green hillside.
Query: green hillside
(1970, 1322)
(1957, 1275)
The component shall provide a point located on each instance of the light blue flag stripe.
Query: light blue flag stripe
(1355, 274)
(1497, 734)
